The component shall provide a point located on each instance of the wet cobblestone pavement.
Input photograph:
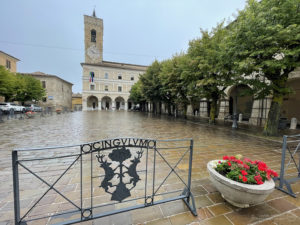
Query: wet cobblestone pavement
(79, 127)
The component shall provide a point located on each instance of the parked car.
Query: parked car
(7, 107)
(33, 108)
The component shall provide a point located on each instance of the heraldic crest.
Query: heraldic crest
(119, 155)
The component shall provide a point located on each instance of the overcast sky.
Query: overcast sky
(47, 35)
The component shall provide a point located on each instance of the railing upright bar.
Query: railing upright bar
(16, 186)
(190, 167)
(284, 145)
(81, 203)
(154, 165)
(146, 176)
(91, 182)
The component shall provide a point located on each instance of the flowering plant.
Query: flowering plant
(245, 170)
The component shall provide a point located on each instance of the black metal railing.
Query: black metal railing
(126, 170)
(290, 157)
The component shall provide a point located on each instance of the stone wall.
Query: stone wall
(13, 61)
(58, 91)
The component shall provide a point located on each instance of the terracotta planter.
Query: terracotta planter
(239, 194)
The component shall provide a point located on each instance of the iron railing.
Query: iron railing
(117, 167)
(290, 155)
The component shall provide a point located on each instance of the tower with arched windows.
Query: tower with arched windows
(105, 85)
(93, 39)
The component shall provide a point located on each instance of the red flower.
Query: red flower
(225, 157)
(246, 167)
(232, 158)
(244, 173)
(248, 160)
(240, 177)
(219, 161)
(244, 179)
(239, 161)
(229, 163)
(258, 179)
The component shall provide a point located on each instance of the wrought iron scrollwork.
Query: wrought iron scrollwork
(119, 155)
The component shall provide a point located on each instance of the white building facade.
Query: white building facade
(105, 85)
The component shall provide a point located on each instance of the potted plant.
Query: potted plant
(241, 182)
(30, 114)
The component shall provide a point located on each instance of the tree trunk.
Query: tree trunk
(169, 110)
(271, 126)
(185, 111)
(213, 110)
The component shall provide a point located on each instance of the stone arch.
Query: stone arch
(120, 103)
(291, 103)
(240, 101)
(106, 103)
(92, 102)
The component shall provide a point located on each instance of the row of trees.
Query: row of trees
(259, 48)
(17, 87)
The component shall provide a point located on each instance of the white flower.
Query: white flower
(278, 56)
(214, 164)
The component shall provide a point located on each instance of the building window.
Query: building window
(106, 75)
(44, 84)
(44, 99)
(119, 77)
(106, 88)
(8, 66)
(119, 88)
(132, 78)
(93, 36)
(92, 87)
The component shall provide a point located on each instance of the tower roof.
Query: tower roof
(94, 13)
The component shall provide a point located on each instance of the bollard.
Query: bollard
(234, 122)
(294, 122)
(1, 120)
(11, 113)
(240, 117)
(21, 117)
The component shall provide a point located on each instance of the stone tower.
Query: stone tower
(93, 39)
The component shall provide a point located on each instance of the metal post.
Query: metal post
(234, 122)
(282, 161)
(16, 186)
(1, 120)
(190, 168)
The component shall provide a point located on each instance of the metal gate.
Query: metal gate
(126, 173)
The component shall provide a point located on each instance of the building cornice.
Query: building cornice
(124, 66)
(45, 75)
(10, 56)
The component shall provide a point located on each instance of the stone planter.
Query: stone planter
(239, 194)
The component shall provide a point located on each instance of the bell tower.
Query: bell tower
(93, 39)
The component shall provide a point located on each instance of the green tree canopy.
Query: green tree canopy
(211, 65)
(7, 83)
(17, 87)
(267, 43)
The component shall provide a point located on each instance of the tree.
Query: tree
(28, 89)
(151, 85)
(136, 94)
(16, 87)
(267, 43)
(174, 85)
(212, 66)
(7, 83)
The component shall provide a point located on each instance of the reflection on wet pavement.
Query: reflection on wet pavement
(79, 127)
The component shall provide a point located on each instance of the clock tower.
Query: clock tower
(93, 39)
